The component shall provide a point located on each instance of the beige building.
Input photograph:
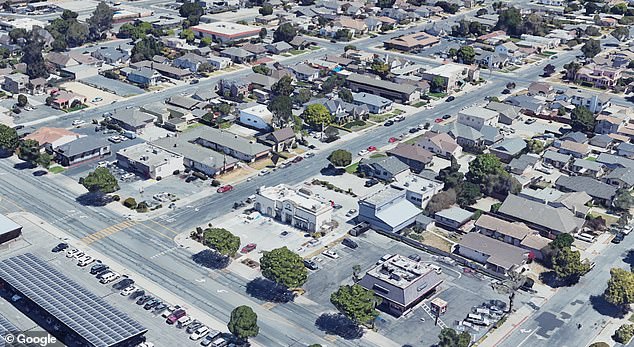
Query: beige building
(454, 76)
(297, 207)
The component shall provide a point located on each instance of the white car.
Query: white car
(146, 344)
(85, 260)
(102, 164)
(363, 152)
(184, 321)
(128, 290)
(78, 122)
(113, 276)
(79, 255)
(199, 333)
(544, 170)
(264, 172)
(71, 252)
(330, 254)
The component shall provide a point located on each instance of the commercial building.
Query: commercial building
(81, 318)
(477, 117)
(401, 282)
(403, 93)
(454, 76)
(9, 229)
(149, 161)
(197, 157)
(419, 189)
(225, 31)
(297, 207)
(388, 210)
(412, 43)
(81, 149)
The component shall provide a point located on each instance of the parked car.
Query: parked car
(530, 121)
(311, 264)
(371, 149)
(211, 336)
(264, 172)
(392, 139)
(85, 260)
(71, 252)
(151, 304)
(351, 212)
(98, 268)
(371, 182)
(60, 247)
(199, 333)
(297, 159)
(142, 300)
(438, 120)
(388, 123)
(78, 122)
(349, 243)
(128, 290)
(113, 276)
(284, 233)
(309, 155)
(363, 152)
(618, 238)
(414, 130)
(183, 321)
(447, 116)
(414, 257)
(124, 283)
(248, 248)
(399, 118)
(175, 316)
(224, 189)
(193, 326)
(451, 98)
(330, 254)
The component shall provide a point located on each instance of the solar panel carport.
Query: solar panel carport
(89, 316)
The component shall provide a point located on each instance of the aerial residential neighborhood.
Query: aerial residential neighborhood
(381, 173)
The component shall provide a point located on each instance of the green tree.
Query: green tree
(188, 35)
(591, 48)
(317, 115)
(582, 119)
(262, 34)
(284, 267)
(482, 166)
(534, 146)
(18, 33)
(44, 160)
(302, 96)
(340, 158)
(222, 240)
(192, 11)
(441, 201)
(562, 241)
(100, 180)
(283, 87)
(285, 32)
(450, 338)
(468, 194)
(571, 70)
(624, 333)
(466, 55)
(243, 323)
(206, 41)
(343, 35)
(22, 100)
(385, 3)
(619, 8)
(437, 84)
(568, 266)
(282, 108)
(32, 55)
(332, 82)
(350, 47)
(28, 150)
(380, 68)
(266, 10)
(346, 95)
(315, 345)
(549, 70)
(262, 69)
(145, 49)
(621, 33)
(623, 200)
(620, 290)
(592, 31)
(100, 21)
(357, 303)
(510, 20)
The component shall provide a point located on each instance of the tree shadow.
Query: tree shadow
(629, 258)
(605, 308)
(331, 170)
(24, 165)
(340, 325)
(5, 154)
(210, 259)
(267, 290)
(94, 199)
(550, 279)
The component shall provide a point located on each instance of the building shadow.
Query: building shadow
(340, 325)
(211, 259)
(267, 290)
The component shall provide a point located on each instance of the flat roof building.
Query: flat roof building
(225, 31)
(388, 210)
(401, 282)
(9, 229)
(403, 93)
(149, 161)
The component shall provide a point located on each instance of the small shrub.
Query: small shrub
(142, 207)
(130, 203)
(215, 183)
(624, 333)
(176, 172)
(599, 344)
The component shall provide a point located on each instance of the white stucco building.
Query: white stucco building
(296, 207)
(257, 116)
(477, 117)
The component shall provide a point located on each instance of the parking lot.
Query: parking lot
(114, 86)
(460, 290)
(94, 96)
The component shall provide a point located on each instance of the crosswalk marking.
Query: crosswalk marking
(103, 233)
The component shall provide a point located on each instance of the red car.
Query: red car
(176, 315)
(298, 159)
(248, 248)
(371, 149)
(392, 140)
(225, 189)
(438, 120)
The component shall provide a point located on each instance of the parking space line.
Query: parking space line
(103, 233)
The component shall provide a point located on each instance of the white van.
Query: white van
(109, 277)
(585, 237)
(437, 269)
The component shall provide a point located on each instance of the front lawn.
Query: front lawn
(352, 168)
(56, 169)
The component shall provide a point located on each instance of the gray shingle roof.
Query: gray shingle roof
(511, 146)
(558, 219)
(370, 99)
(587, 164)
(81, 145)
(612, 160)
(132, 117)
(555, 156)
(401, 88)
(624, 174)
(455, 213)
(390, 164)
(227, 139)
(593, 187)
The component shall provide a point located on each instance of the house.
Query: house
(256, 116)
(278, 47)
(621, 178)
(440, 144)
(16, 83)
(476, 117)
(219, 63)
(419, 188)
(577, 150)
(522, 164)
(144, 76)
(600, 192)
(614, 161)
(540, 89)
(593, 102)
(196, 157)
(625, 149)
(508, 149)
(388, 210)
(296, 207)
(412, 42)
(402, 283)
(547, 219)
(184, 102)
(341, 111)
(602, 141)
(403, 93)
(190, 61)
(575, 202)
(490, 60)
(149, 161)
(80, 150)
(556, 159)
(453, 218)
(280, 140)
(598, 76)
(50, 138)
(465, 136)
(256, 49)
(453, 76)
(416, 157)
(132, 119)
(530, 105)
(224, 32)
(204, 95)
(63, 100)
(575, 136)
(234, 88)
(115, 56)
(505, 231)
(383, 168)
(238, 55)
(496, 255)
(163, 69)
(37, 86)
(507, 114)
(587, 168)
(303, 72)
(60, 60)
(230, 144)
(605, 124)
(375, 104)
